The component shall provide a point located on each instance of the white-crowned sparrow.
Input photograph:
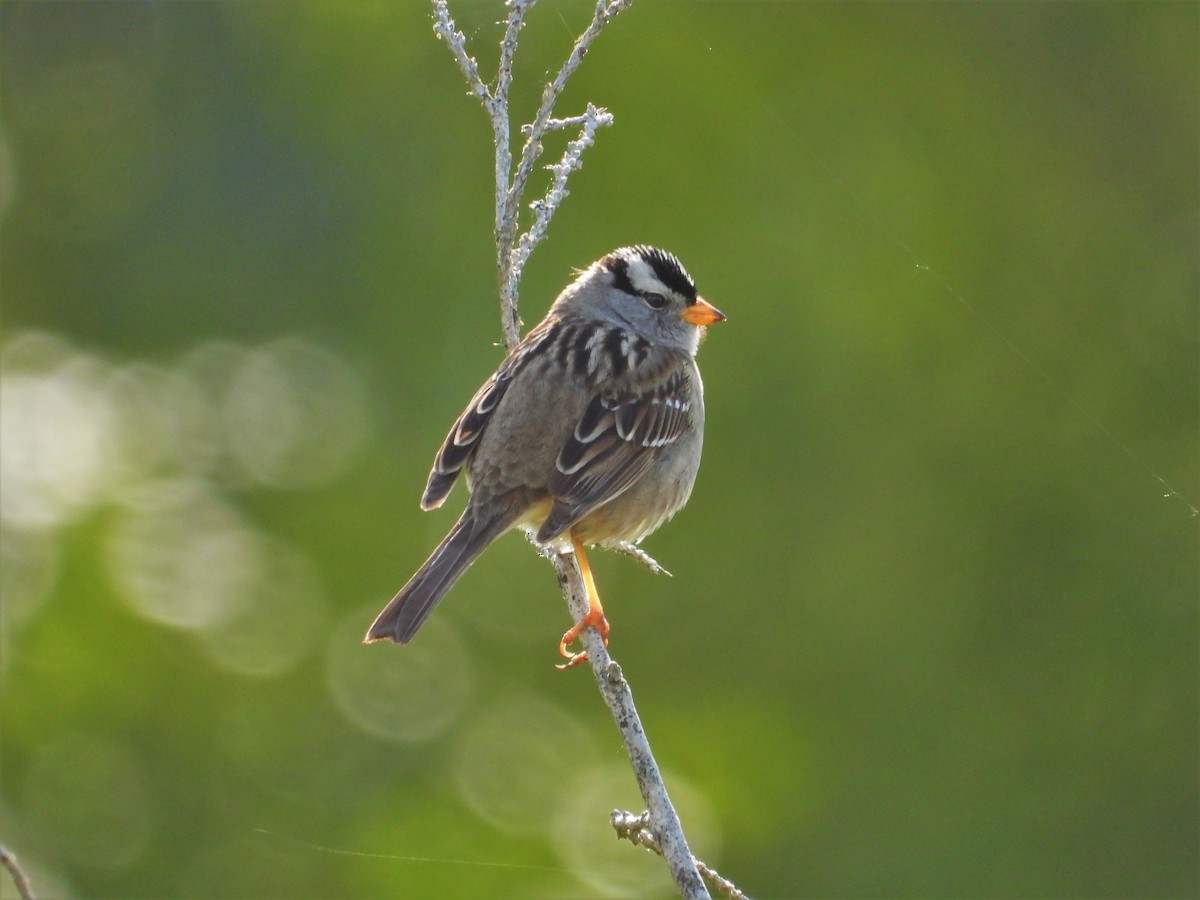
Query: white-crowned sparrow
(588, 433)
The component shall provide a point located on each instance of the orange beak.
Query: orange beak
(702, 313)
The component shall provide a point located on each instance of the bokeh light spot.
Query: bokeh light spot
(54, 443)
(515, 759)
(409, 693)
(182, 556)
(210, 368)
(279, 622)
(295, 415)
(29, 563)
(159, 417)
(584, 840)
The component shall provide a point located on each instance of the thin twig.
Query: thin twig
(443, 27)
(496, 106)
(505, 226)
(557, 124)
(506, 233)
(643, 557)
(544, 209)
(619, 699)
(510, 185)
(19, 878)
(636, 830)
(605, 13)
(508, 46)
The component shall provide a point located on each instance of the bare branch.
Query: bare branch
(496, 106)
(545, 208)
(636, 830)
(605, 13)
(444, 28)
(20, 879)
(509, 196)
(558, 124)
(619, 699)
(505, 227)
(508, 46)
(643, 557)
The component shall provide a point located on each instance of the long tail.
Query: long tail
(401, 618)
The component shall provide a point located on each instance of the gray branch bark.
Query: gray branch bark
(618, 696)
(20, 880)
(636, 830)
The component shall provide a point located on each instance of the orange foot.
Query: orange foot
(594, 618)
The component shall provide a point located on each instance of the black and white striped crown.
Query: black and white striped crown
(642, 269)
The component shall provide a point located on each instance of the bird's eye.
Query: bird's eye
(654, 301)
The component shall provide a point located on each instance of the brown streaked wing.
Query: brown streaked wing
(464, 435)
(617, 437)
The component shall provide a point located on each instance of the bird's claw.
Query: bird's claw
(594, 620)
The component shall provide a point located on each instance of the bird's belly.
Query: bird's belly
(642, 509)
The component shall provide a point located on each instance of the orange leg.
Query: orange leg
(595, 614)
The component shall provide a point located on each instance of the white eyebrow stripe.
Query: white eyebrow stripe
(642, 277)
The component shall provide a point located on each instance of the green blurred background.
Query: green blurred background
(933, 625)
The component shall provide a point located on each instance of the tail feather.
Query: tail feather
(410, 607)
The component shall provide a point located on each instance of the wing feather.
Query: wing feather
(618, 436)
(464, 435)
